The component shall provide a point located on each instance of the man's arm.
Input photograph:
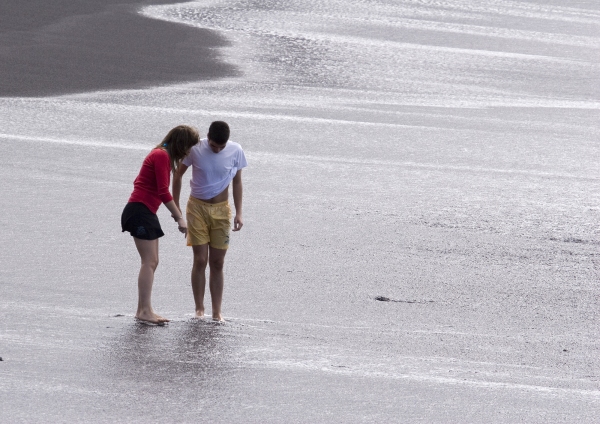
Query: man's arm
(238, 221)
(177, 178)
(176, 214)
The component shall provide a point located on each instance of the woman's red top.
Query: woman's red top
(151, 187)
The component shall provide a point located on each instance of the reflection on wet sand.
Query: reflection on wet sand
(192, 352)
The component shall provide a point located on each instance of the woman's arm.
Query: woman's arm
(162, 170)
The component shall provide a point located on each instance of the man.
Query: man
(216, 163)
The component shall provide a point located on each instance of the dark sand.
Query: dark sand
(74, 46)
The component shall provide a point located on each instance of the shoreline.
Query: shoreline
(80, 46)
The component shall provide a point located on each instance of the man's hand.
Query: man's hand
(238, 223)
(182, 226)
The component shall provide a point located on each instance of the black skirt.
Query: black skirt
(141, 222)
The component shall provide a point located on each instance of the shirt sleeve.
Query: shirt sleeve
(241, 160)
(162, 172)
(187, 161)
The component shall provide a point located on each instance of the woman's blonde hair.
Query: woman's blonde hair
(178, 142)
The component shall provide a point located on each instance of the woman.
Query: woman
(151, 188)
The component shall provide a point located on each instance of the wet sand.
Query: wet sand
(305, 339)
(73, 46)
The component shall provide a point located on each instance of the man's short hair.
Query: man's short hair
(218, 132)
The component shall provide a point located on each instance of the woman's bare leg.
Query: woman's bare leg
(148, 250)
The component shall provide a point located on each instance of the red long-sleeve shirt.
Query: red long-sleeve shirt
(151, 187)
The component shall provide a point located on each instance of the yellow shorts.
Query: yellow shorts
(208, 223)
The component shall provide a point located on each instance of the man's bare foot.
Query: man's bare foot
(217, 317)
(199, 313)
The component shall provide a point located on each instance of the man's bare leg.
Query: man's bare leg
(148, 250)
(216, 261)
(199, 277)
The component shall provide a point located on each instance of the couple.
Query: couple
(216, 163)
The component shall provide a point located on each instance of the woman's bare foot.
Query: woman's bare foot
(199, 313)
(161, 319)
(147, 317)
(217, 317)
(150, 316)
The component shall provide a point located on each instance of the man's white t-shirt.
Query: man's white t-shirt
(213, 172)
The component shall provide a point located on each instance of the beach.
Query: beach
(421, 212)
